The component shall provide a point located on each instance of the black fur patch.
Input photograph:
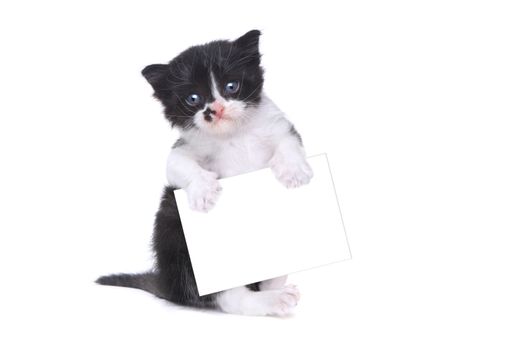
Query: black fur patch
(176, 279)
(294, 132)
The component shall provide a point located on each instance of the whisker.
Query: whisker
(227, 60)
(184, 106)
(238, 62)
(242, 80)
(256, 88)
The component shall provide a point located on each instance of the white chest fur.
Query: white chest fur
(241, 154)
(264, 138)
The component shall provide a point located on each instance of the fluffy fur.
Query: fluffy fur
(213, 94)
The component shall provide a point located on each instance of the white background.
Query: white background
(420, 106)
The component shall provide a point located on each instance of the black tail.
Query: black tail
(147, 281)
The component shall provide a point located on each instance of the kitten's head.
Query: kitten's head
(211, 86)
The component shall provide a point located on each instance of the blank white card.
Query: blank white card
(259, 229)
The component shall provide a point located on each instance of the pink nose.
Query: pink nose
(217, 108)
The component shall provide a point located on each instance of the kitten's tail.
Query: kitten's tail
(147, 281)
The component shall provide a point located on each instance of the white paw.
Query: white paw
(203, 191)
(285, 300)
(293, 174)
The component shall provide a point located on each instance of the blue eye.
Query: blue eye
(193, 99)
(231, 87)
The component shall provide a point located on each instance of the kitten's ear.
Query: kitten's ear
(249, 41)
(155, 74)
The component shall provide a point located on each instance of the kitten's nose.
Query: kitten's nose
(217, 109)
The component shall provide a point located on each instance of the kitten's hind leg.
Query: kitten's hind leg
(273, 283)
(243, 301)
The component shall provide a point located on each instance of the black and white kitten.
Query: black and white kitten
(214, 94)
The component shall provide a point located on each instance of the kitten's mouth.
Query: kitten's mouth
(221, 118)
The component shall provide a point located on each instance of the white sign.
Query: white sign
(259, 229)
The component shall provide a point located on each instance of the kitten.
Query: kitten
(213, 94)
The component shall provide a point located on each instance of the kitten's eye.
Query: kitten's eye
(231, 87)
(193, 99)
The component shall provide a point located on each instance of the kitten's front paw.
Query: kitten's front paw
(292, 174)
(203, 192)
